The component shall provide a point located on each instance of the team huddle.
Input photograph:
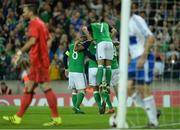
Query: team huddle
(95, 42)
(98, 47)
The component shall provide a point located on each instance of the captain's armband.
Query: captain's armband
(67, 53)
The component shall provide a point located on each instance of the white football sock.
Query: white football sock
(137, 99)
(150, 108)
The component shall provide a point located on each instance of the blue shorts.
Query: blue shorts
(143, 75)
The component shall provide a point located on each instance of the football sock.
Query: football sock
(25, 102)
(137, 98)
(74, 99)
(97, 98)
(80, 97)
(150, 108)
(108, 101)
(108, 75)
(52, 101)
(104, 95)
(99, 75)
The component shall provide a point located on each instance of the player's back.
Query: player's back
(100, 32)
(39, 51)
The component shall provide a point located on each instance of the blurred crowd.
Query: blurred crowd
(65, 17)
(4, 89)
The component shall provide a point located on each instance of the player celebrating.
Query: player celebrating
(77, 77)
(39, 70)
(92, 71)
(90, 49)
(141, 64)
(101, 35)
(114, 77)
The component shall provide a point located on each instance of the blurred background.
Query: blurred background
(65, 17)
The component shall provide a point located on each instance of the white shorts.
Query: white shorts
(92, 76)
(77, 80)
(105, 50)
(115, 77)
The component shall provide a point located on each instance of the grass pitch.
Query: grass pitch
(36, 116)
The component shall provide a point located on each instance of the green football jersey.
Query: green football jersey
(92, 49)
(76, 60)
(100, 32)
(115, 64)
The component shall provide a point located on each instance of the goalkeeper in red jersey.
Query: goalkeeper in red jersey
(37, 45)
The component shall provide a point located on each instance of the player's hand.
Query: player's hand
(66, 73)
(77, 42)
(84, 29)
(16, 58)
(113, 30)
(141, 62)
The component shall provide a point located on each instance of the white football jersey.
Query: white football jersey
(138, 32)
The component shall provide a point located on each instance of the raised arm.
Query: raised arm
(87, 33)
(113, 32)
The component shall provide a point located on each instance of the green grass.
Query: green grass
(36, 116)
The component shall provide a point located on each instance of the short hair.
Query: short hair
(31, 7)
(95, 18)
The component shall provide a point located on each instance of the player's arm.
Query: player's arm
(90, 55)
(65, 58)
(87, 33)
(148, 45)
(26, 47)
(28, 44)
(150, 40)
(33, 34)
(65, 61)
(80, 46)
(113, 32)
(49, 42)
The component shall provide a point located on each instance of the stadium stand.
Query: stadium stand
(67, 16)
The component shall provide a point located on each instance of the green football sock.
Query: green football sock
(99, 75)
(74, 99)
(97, 98)
(104, 96)
(108, 101)
(80, 97)
(108, 75)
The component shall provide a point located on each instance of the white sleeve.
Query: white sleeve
(142, 26)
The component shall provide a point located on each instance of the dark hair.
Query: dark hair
(33, 8)
(94, 18)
